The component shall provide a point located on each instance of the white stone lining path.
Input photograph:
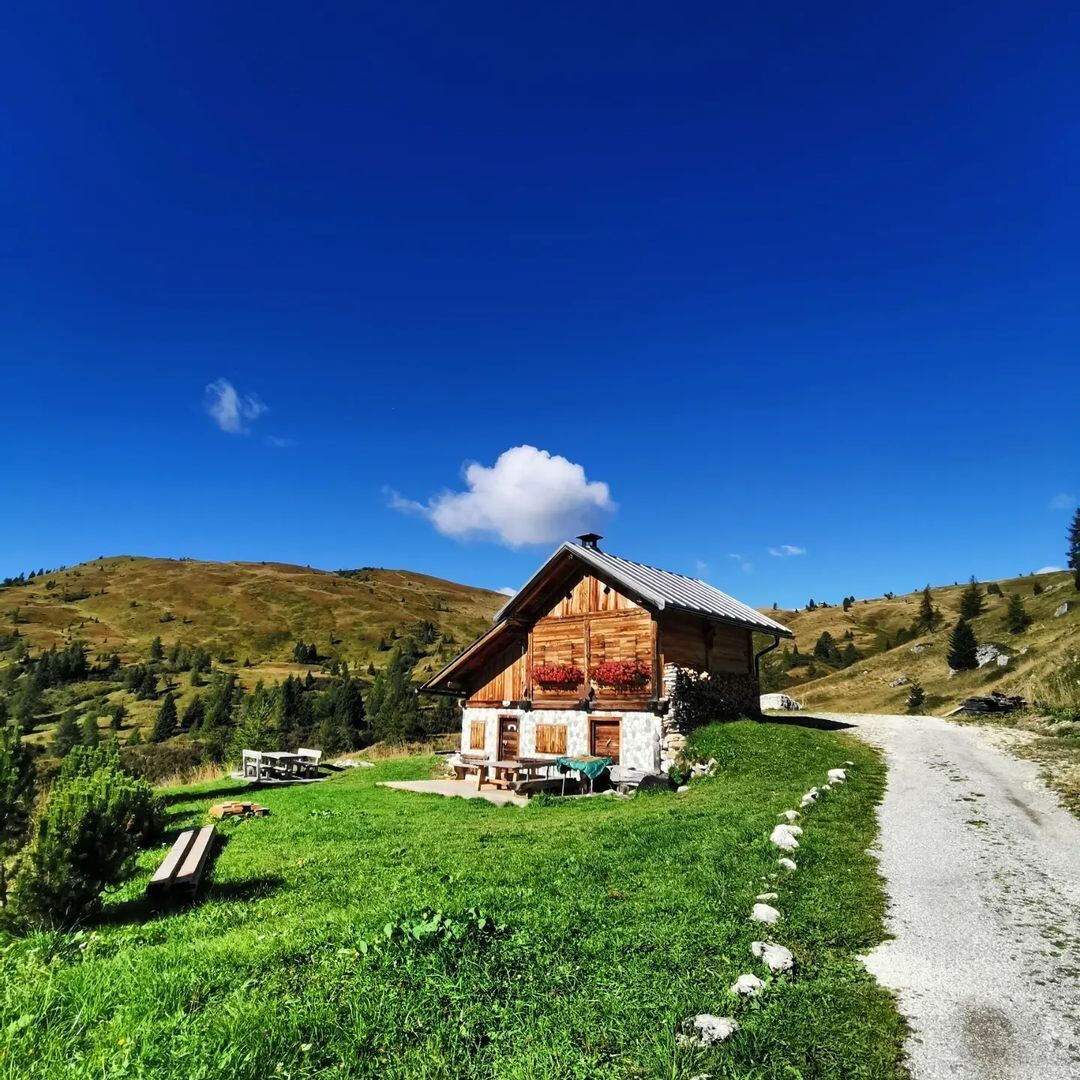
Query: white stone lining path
(705, 1029)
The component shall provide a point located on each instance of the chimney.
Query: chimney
(590, 540)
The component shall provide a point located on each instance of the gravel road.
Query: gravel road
(982, 870)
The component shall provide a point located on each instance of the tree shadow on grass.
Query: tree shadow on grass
(807, 720)
(217, 794)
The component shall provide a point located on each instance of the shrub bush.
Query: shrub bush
(83, 840)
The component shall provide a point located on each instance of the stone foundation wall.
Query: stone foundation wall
(639, 746)
(731, 696)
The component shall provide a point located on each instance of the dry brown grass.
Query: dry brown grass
(200, 774)
(382, 751)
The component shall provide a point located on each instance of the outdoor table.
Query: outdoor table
(283, 760)
(586, 764)
(511, 771)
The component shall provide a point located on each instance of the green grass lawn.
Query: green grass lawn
(575, 936)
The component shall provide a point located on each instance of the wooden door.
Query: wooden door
(509, 742)
(606, 737)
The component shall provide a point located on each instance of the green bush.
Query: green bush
(83, 840)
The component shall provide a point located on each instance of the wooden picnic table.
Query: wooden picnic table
(511, 772)
(283, 760)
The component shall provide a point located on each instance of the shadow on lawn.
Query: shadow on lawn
(147, 907)
(217, 794)
(796, 719)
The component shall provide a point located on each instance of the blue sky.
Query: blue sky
(781, 274)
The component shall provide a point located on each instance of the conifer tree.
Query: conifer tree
(156, 650)
(962, 647)
(16, 796)
(1073, 554)
(147, 690)
(971, 601)
(392, 705)
(117, 715)
(1017, 620)
(89, 730)
(916, 696)
(165, 723)
(929, 617)
(66, 734)
(194, 713)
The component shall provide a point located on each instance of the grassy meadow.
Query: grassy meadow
(362, 931)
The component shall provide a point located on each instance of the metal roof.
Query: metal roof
(661, 588)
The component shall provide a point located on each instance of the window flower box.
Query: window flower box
(622, 674)
(558, 676)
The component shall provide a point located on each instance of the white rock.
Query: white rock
(764, 913)
(987, 654)
(787, 864)
(1003, 660)
(850, 764)
(747, 985)
(790, 815)
(767, 896)
(795, 830)
(775, 957)
(916, 649)
(706, 1030)
(900, 680)
(806, 801)
(781, 836)
(826, 787)
(779, 701)
(1062, 609)
(682, 789)
(837, 776)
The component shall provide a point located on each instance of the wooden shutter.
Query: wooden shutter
(551, 738)
(477, 729)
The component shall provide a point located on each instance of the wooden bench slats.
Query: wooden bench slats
(192, 867)
(164, 873)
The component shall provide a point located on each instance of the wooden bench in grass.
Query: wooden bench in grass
(184, 865)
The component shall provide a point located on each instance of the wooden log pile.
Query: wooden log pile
(238, 809)
(992, 703)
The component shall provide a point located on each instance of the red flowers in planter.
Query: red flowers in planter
(558, 676)
(622, 674)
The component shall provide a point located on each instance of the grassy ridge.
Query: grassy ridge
(253, 611)
(864, 687)
(606, 923)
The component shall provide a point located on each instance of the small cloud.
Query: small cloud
(280, 443)
(529, 496)
(1062, 501)
(701, 567)
(745, 566)
(231, 411)
(1049, 570)
(784, 551)
(507, 591)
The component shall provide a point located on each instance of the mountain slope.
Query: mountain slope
(865, 685)
(251, 612)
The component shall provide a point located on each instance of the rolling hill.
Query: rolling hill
(867, 684)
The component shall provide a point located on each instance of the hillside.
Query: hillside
(874, 623)
(247, 616)
(240, 611)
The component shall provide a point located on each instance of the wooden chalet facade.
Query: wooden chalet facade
(582, 660)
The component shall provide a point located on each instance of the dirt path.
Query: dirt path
(982, 869)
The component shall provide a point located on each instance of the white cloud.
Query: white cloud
(1062, 501)
(507, 591)
(232, 412)
(527, 497)
(1048, 570)
(744, 565)
(783, 551)
(280, 443)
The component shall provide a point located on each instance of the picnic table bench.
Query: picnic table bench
(183, 867)
(514, 772)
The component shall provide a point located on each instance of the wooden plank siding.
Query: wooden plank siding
(704, 646)
(503, 677)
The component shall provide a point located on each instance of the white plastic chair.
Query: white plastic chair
(252, 764)
(309, 759)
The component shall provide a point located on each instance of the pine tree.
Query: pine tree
(147, 689)
(165, 723)
(928, 618)
(1017, 620)
(971, 600)
(156, 650)
(392, 704)
(89, 734)
(1073, 554)
(194, 712)
(257, 728)
(66, 734)
(916, 696)
(16, 796)
(117, 715)
(962, 647)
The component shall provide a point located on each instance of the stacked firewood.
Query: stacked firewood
(992, 703)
